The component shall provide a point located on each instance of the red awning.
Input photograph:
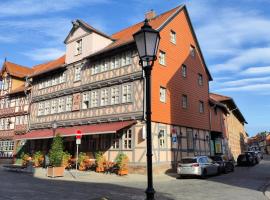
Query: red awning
(103, 128)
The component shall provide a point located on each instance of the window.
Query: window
(162, 96)
(173, 37)
(7, 103)
(6, 145)
(77, 74)
(54, 106)
(161, 137)
(190, 140)
(95, 68)
(85, 100)
(69, 103)
(116, 62)
(115, 141)
(41, 85)
(192, 51)
(62, 78)
(55, 80)
(78, 47)
(125, 59)
(112, 62)
(184, 71)
(48, 83)
(201, 106)
(127, 139)
(126, 93)
(200, 79)
(94, 98)
(184, 101)
(114, 95)
(47, 108)
(162, 58)
(61, 104)
(41, 108)
(104, 97)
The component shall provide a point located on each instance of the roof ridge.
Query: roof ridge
(17, 64)
(35, 66)
(150, 20)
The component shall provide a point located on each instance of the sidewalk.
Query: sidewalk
(93, 177)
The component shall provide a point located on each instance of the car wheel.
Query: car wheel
(204, 174)
(179, 176)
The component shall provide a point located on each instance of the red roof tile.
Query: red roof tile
(16, 70)
(46, 67)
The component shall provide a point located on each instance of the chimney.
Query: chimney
(150, 14)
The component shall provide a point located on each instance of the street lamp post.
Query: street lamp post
(54, 127)
(147, 41)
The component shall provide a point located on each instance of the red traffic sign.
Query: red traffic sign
(78, 134)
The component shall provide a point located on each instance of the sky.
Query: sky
(233, 36)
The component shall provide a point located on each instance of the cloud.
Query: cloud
(45, 54)
(245, 58)
(256, 71)
(247, 81)
(247, 88)
(33, 7)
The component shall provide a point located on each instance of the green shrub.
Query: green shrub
(122, 160)
(38, 158)
(56, 152)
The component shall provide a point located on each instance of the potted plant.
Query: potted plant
(25, 159)
(38, 159)
(100, 160)
(56, 157)
(66, 160)
(122, 164)
(82, 161)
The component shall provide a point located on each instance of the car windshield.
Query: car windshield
(188, 160)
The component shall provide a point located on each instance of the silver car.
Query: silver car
(198, 166)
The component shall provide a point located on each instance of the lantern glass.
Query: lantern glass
(147, 41)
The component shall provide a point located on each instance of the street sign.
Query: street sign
(78, 134)
(78, 141)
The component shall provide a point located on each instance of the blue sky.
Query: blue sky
(233, 35)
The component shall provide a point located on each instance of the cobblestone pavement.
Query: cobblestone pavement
(246, 183)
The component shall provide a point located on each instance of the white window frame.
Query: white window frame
(192, 51)
(162, 138)
(47, 107)
(61, 105)
(162, 57)
(173, 36)
(184, 71)
(200, 79)
(127, 139)
(201, 106)
(115, 95)
(184, 100)
(104, 97)
(126, 93)
(68, 103)
(78, 49)
(41, 106)
(77, 72)
(54, 106)
(85, 100)
(62, 78)
(162, 94)
(94, 98)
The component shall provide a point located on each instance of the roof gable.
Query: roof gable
(16, 70)
(86, 27)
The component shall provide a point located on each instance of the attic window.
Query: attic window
(78, 47)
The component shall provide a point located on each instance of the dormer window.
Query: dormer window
(78, 47)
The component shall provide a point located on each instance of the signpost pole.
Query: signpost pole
(77, 155)
(78, 141)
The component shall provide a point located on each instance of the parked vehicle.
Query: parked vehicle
(225, 164)
(256, 155)
(260, 154)
(246, 159)
(197, 166)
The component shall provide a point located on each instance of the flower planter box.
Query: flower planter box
(55, 171)
(122, 172)
(99, 169)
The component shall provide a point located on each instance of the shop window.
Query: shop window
(115, 141)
